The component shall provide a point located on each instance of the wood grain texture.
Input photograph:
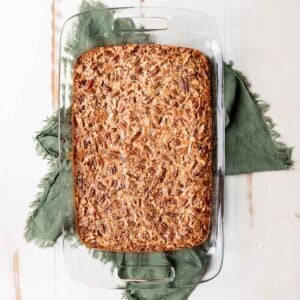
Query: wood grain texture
(54, 53)
(250, 197)
(16, 272)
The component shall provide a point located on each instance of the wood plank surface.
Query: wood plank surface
(262, 211)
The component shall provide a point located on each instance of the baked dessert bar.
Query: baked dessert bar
(142, 147)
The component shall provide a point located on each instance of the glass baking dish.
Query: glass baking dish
(167, 26)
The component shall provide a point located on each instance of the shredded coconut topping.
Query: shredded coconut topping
(142, 147)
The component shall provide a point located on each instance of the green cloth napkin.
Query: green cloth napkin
(251, 145)
(251, 142)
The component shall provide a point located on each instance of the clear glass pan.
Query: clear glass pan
(166, 26)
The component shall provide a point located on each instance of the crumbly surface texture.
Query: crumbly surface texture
(142, 147)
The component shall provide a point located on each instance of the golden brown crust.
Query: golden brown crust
(142, 147)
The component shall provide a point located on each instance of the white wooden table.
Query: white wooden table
(262, 211)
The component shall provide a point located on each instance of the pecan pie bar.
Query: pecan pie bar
(142, 147)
